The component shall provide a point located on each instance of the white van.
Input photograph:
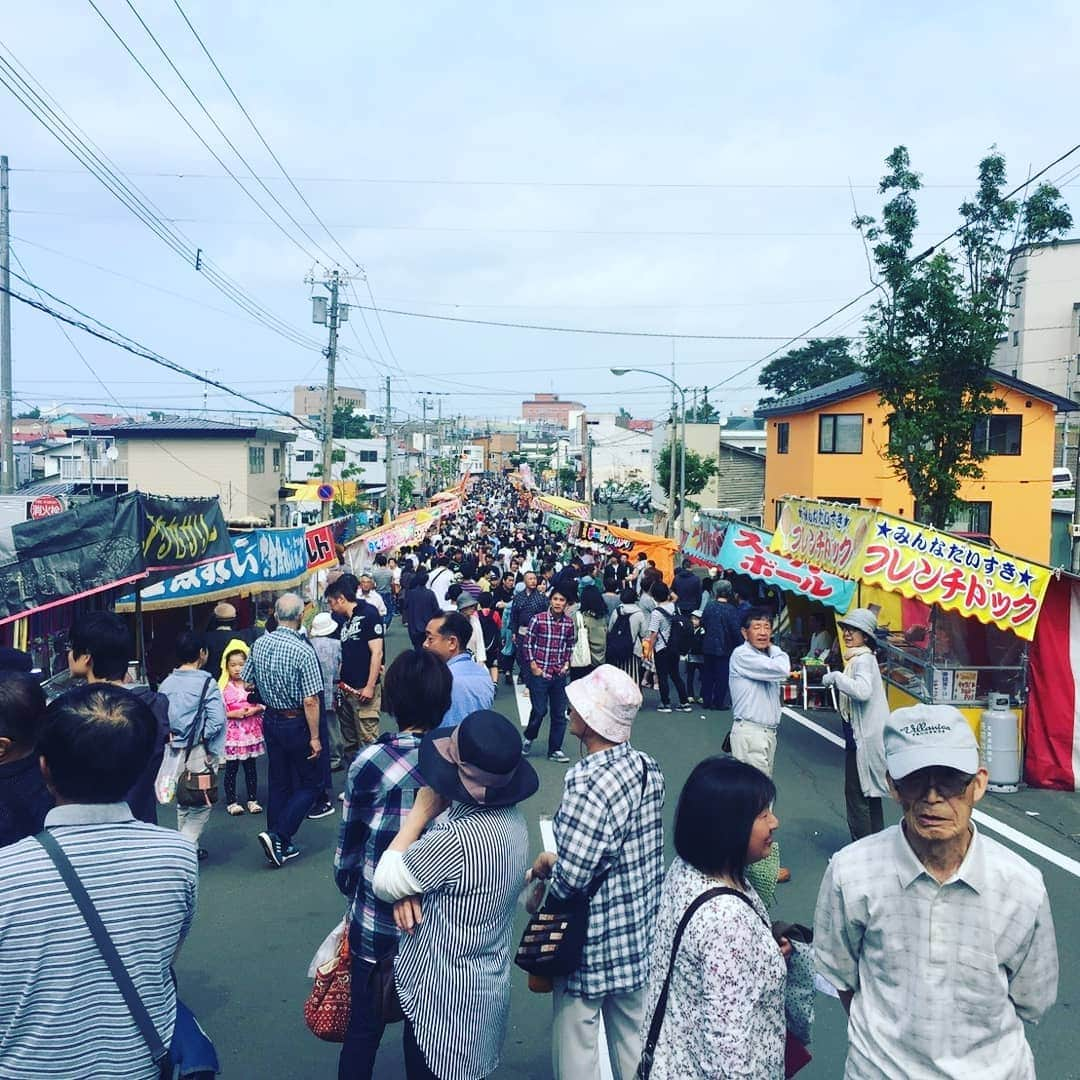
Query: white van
(1061, 478)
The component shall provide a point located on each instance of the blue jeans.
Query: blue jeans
(714, 680)
(293, 781)
(415, 1066)
(542, 693)
(365, 1031)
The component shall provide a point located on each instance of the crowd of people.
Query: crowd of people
(938, 940)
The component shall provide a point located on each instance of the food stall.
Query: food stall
(956, 616)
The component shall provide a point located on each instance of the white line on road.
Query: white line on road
(1070, 866)
(521, 695)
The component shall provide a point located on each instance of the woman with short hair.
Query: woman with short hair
(725, 1006)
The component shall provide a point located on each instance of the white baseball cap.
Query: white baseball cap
(922, 736)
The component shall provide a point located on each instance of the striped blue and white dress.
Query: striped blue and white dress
(453, 972)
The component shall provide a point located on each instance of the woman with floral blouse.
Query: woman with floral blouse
(725, 1007)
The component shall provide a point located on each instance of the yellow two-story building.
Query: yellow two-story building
(831, 443)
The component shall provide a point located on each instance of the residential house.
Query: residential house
(243, 465)
(309, 402)
(830, 442)
(620, 453)
(550, 407)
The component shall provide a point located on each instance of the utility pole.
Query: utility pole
(389, 455)
(7, 454)
(424, 447)
(332, 318)
(669, 525)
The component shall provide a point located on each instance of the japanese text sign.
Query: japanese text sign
(745, 550)
(829, 535)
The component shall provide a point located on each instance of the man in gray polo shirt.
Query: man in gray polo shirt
(939, 939)
(61, 1013)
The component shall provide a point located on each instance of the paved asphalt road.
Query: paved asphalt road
(243, 968)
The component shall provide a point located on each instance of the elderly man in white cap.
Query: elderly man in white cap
(939, 939)
(610, 841)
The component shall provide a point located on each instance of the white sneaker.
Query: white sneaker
(341, 797)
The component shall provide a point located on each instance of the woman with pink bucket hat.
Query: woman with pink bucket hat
(610, 840)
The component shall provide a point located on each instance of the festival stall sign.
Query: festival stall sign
(566, 507)
(831, 536)
(705, 539)
(558, 524)
(321, 540)
(745, 550)
(660, 549)
(261, 559)
(106, 543)
(916, 561)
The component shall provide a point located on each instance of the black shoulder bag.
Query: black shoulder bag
(158, 1051)
(194, 789)
(555, 936)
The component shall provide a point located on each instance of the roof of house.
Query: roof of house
(742, 451)
(192, 427)
(859, 382)
(640, 425)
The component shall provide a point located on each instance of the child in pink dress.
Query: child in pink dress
(243, 730)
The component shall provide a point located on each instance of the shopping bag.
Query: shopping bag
(168, 774)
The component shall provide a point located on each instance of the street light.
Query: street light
(682, 456)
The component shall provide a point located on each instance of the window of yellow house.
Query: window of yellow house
(783, 433)
(840, 433)
(997, 435)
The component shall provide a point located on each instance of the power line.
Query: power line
(115, 337)
(28, 91)
(580, 329)
(255, 128)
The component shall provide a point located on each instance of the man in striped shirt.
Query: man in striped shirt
(61, 1013)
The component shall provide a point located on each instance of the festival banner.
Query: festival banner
(745, 550)
(558, 524)
(956, 574)
(831, 536)
(660, 549)
(262, 559)
(566, 507)
(320, 546)
(706, 537)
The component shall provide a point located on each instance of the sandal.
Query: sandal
(254, 808)
(235, 809)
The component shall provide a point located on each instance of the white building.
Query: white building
(365, 460)
(619, 454)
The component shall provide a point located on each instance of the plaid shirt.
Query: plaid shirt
(549, 642)
(603, 821)
(284, 668)
(379, 793)
(526, 604)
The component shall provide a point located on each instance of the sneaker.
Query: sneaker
(663, 708)
(254, 808)
(320, 810)
(290, 853)
(337, 765)
(202, 854)
(685, 708)
(273, 849)
(558, 757)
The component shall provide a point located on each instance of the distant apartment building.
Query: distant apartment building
(310, 401)
(550, 408)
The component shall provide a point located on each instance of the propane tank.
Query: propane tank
(999, 739)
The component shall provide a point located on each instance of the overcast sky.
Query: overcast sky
(678, 168)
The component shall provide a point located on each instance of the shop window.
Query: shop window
(840, 433)
(783, 433)
(256, 460)
(997, 435)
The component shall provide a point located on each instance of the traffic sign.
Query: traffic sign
(326, 492)
(45, 506)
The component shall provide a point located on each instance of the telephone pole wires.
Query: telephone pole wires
(7, 453)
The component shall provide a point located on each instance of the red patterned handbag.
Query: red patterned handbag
(326, 1011)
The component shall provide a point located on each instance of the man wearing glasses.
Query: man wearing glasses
(939, 939)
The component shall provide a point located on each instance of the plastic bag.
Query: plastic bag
(328, 950)
(172, 765)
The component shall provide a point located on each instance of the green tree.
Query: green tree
(568, 478)
(931, 338)
(347, 425)
(30, 414)
(406, 486)
(819, 361)
(699, 471)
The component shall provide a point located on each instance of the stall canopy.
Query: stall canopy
(661, 550)
(308, 492)
(566, 507)
(743, 549)
(915, 561)
(106, 543)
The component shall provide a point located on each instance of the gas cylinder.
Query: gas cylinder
(999, 739)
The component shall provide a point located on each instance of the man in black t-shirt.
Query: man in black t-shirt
(360, 683)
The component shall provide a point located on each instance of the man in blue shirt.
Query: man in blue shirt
(447, 637)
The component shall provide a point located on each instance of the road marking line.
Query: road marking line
(547, 835)
(1036, 847)
(522, 697)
